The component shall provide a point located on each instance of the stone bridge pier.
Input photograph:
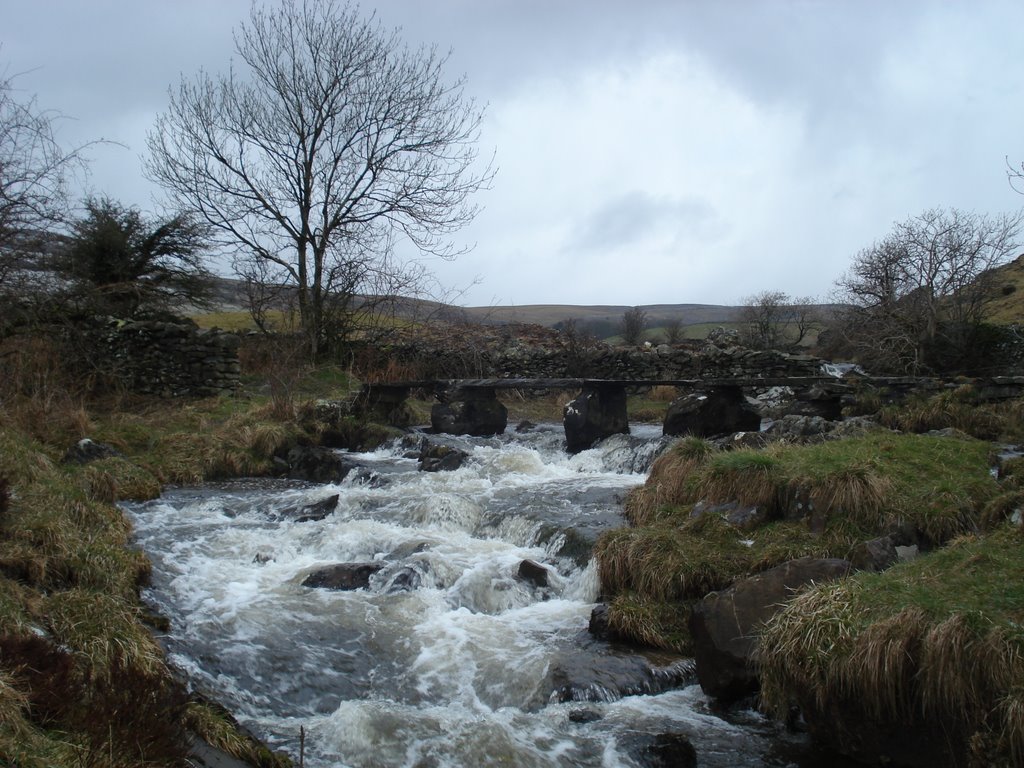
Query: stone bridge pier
(598, 412)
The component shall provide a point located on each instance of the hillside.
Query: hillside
(1007, 304)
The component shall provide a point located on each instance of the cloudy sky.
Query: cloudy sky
(659, 151)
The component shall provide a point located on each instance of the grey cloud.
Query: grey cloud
(631, 217)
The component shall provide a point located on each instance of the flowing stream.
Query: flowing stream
(449, 657)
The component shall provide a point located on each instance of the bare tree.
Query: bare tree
(673, 330)
(632, 326)
(35, 172)
(774, 320)
(332, 138)
(923, 291)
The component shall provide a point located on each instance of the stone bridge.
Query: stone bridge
(705, 406)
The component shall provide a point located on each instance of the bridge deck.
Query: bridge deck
(581, 383)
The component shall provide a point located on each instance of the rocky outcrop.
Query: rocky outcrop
(724, 624)
(714, 411)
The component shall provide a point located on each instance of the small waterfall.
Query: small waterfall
(449, 655)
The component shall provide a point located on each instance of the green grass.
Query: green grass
(940, 637)
(858, 489)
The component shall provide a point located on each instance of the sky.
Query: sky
(651, 152)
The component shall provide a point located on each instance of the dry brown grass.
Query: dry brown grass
(670, 482)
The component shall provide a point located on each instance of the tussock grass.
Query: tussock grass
(102, 629)
(958, 409)
(653, 623)
(938, 638)
(669, 483)
(115, 479)
(750, 477)
(219, 729)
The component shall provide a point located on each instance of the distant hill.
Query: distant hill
(1007, 305)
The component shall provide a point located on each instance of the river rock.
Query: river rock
(343, 576)
(665, 750)
(318, 510)
(87, 450)
(715, 411)
(724, 624)
(533, 572)
(317, 464)
(593, 672)
(441, 458)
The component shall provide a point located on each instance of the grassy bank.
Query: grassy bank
(83, 682)
(933, 645)
(820, 500)
(936, 640)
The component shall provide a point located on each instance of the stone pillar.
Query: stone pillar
(384, 403)
(469, 411)
(712, 411)
(599, 412)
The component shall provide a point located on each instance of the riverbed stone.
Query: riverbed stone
(343, 576)
(317, 464)
(724, 624)
(317, 510)
(533, 573)
(440, 458)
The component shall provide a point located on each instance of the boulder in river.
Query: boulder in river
(440, 458)
(724, 624)
(317, 510)
(317, 464)
(343, 576)
(533, 572)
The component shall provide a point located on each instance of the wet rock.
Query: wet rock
(525, 426)
(318, 510)
(344, 576)
(598, 625)
(724, 624)
(584, 716)
(87, 450)
(715, 411)
(875, 555)
(665, 750)
(405, 579)
(408, 549)
(598, 673)
(441, 458)
(317, 464)
(593, 416)
(534, 573)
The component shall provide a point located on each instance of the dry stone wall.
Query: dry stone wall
(170, 359)
(661, 362)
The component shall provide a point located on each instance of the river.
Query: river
(448, 657)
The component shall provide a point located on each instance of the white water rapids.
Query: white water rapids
(448, 658)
